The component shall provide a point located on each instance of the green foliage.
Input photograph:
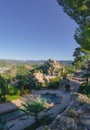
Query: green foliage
(69, 69)
(39, 85)
(2, 98)
(84, 89)
(13, 97)
(54, 83)
(86, 75)
(22, 70)
(79, 10)
(33, 108)
(45, 120)
(3, 88)
(82, 37)
(78, 58)
(26, 91)
(67, 87)
(12, 90)
(64, 75)
(23, 82)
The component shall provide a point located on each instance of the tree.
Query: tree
(82, 37)
(87, 76)
(3, 88)
(23, 82)
(79, 58)
(79, 10)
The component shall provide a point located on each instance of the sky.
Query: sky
(35, 30)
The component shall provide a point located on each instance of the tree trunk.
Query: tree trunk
(36, 120)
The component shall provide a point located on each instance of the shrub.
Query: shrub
(34, 108)
(64, 75)
(13, 97)
(39, 85)
(82, 88)
(12, 90)
(72, 113)
(67, 87)
(26, 91)
(87, 89)
(3, 99)
(45, 120)
(54, 83)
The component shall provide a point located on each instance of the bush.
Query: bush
(64, 76)
(82, 88)
(54, 83)
(67, 87)
(19, 92)
(13, 97)
(39, 86)
(34, 108)
(45, 120)
(26, 91)
(12, 90)
(3, 99)
(72, 113)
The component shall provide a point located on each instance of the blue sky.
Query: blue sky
(35, 29)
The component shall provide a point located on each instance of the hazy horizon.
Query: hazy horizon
(36, 59)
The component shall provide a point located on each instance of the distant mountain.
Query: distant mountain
(31, 62)
(66, 62)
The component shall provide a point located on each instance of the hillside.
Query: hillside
(5, 62)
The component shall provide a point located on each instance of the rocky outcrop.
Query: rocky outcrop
(52, 67)
(42, 78)
(44, 74)
(63, 123)
(75, 117)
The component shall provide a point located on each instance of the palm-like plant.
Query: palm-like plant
(33, 108)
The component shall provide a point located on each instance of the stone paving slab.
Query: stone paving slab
(21, 124)
(10, 106)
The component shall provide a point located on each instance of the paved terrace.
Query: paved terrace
(57, 108)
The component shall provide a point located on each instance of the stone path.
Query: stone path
(19, 125)
(56, 109)
(10, 106)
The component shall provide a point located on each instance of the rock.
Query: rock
(64, 123)
(85, 120)
(75, 117)
(43, 128)
(44, 74)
